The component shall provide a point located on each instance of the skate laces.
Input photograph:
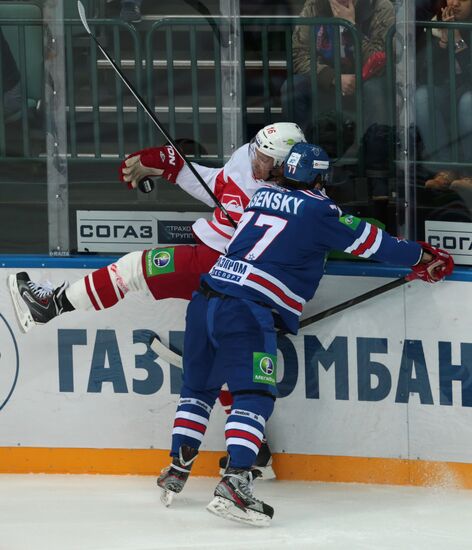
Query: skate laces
(41, 291)
(246, 481)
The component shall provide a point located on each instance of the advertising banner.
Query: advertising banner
(107, 231)
(390, 378)
(455, 237)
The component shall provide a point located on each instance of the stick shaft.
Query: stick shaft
(164, 132)
(354, 301)
(175, 359)
(166, 353)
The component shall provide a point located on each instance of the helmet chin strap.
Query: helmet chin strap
(302, 186)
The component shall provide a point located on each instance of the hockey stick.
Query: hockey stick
(146, 184)
(166, 353)
(203, 10)
(357, 300)
(175, 359)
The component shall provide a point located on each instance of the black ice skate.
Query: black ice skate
(263, 462)
(34, 304)
(174, 477)
(233, 499)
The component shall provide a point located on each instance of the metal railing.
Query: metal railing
(25, 30)
(447, 81)
(176, 65)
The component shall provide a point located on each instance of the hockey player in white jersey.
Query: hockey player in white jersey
(274, 262)
(174, 274)
(167, 272)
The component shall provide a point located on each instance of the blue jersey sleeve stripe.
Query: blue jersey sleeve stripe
(370, 249)
(358, 246)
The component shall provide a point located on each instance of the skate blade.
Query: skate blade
(226, 509)
(167, 497)
(266, 471)
(23, 316)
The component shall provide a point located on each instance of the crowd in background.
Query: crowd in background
(441, 96)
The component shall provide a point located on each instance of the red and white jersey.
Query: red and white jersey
(233, 185)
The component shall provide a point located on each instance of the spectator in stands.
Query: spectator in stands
(425, 10)
(131, 11)
(10, 80)
(372, 19)
(434, 105)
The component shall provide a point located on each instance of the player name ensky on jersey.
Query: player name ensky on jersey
(276, 200)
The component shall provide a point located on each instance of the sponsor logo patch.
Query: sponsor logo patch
(230, 270)
(264, 368)
(293, 160)
(160, 261)
(350, 221)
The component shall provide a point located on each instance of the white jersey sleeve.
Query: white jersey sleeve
(233, 185)
(189, 183)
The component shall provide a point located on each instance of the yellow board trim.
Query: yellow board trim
(287, 466)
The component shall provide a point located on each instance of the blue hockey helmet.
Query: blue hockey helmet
(307, 164)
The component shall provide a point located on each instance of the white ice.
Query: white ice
(66, 512)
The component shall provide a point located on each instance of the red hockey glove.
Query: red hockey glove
(437, 268)
(164, 162)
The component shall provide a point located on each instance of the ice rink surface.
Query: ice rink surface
(67, 512)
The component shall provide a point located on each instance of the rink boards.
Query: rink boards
(380, 393)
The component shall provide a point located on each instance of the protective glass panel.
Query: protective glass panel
(23, 188)
(444, 126)
(215, 72)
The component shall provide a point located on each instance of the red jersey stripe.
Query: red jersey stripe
(104, 287)
(90, 293)
(276, 290)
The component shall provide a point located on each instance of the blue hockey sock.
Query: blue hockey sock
(191, 420)
(245, 426)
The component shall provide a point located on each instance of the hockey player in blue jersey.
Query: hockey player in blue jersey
(273, 264)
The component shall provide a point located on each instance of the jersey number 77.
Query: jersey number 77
(275, 225)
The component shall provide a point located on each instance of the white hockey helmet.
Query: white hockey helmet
(276, 140)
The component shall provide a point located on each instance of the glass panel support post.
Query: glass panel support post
(231, 76)
(56, 128)
(405, 50)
